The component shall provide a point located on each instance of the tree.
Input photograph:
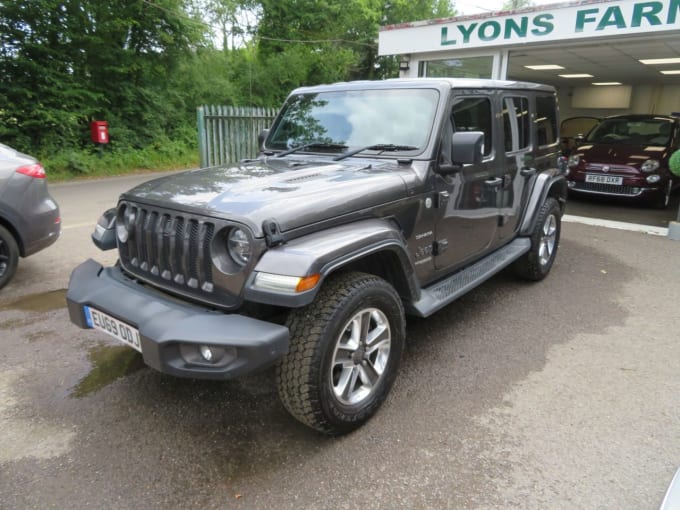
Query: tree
(66, 62)
(511, 5)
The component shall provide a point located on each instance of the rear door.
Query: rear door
(518, 170)
(542, 155)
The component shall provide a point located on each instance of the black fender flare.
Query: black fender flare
(551, 183)
(327, 251)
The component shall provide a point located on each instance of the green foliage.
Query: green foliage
(674, 163)
(145, 65)
(511, 5)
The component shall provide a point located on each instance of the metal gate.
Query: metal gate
(227, 134)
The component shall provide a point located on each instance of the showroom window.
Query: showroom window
(467, 67)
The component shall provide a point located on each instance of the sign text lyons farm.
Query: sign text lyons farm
(579, 21)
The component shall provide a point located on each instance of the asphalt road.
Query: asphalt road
(561, 394)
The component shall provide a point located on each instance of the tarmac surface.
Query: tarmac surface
(560, 394)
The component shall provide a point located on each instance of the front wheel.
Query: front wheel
(9, 256)
(345, 350)
(545, 239)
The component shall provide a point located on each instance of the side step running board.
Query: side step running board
(443, 292)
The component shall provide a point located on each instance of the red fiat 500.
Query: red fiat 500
(627, 156)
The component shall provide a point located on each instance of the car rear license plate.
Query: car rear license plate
(112, 326)
(604, 179)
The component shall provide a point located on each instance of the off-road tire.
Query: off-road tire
(305, 376)
(545, 238)
(9, 256)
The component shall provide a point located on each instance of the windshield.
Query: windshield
(356, 118)
(633, 131)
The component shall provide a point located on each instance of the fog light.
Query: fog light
(571, 184)
(206, 352)
(213, 356)
(653, 179)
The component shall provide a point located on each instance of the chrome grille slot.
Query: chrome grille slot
(172, 249)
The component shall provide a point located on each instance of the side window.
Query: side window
(473, 114)
(516, 123)
(546, 120)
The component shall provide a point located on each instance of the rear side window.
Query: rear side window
(516, 126)
(474, 114)
(546, 120)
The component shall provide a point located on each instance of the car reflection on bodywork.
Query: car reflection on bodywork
(627, 156)
(29, 216)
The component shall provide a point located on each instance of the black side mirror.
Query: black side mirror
(467, 147)
(579, 139)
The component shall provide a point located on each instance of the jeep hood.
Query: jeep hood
(294, 193)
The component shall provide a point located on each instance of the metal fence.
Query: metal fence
(227, 134)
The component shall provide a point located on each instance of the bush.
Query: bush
(164, 154)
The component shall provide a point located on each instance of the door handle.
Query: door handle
(493, 183)
(527, 172)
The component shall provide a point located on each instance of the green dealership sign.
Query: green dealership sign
(576, 20)
(588, 20)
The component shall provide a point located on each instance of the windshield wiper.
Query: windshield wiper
(315, 145)
(382, 147)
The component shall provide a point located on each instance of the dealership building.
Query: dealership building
(604, 57)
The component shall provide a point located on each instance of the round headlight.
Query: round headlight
(650, 165)
(239, 247)
(574, 160)
(653, 179)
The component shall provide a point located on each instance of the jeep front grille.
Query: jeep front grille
(172, 249)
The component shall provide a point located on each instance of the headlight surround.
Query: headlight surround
(649, 166)
(126, 217)
(239, 247)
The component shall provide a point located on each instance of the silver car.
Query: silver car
(29, 216)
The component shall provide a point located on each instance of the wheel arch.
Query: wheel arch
(374, 246)
(548, 184)
(5, 222)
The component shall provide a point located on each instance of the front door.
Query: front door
(468, 199)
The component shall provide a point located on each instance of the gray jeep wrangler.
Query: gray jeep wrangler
(369, 201)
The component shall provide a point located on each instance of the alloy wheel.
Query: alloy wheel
(547, 245)
(361, 354)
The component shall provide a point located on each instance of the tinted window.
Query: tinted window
(546, 120)
(516, 130)
(474, 114)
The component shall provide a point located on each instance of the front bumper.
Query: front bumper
(168, 326)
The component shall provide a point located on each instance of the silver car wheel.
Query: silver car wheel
(547, 245)
(361, 354)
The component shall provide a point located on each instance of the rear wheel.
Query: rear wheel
(9, 256)
(545, 239)
(344, 353)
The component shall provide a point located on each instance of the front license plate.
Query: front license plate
(604, 179)
(112, 326)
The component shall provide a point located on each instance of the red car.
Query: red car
(627, 156)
